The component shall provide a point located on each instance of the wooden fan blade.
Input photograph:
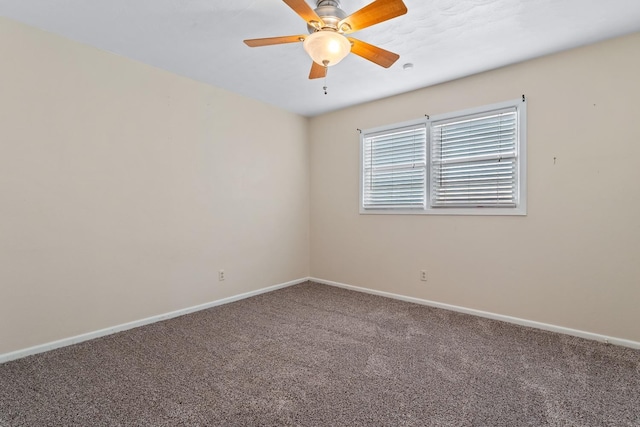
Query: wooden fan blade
(304, 10)
(375, 54)
(374, 13)
(317, 71)
(273, 40)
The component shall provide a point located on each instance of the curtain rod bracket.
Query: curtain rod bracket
(523, 99)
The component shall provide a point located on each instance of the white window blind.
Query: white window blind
(470, 162)
(394, 168)
(474, 160)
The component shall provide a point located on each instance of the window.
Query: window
(470, 162)
(394, 166)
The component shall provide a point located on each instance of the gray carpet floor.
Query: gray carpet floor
(314, 355)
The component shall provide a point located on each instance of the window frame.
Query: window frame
(520, 209)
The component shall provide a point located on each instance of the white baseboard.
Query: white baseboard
(6, 357)
(523, 322)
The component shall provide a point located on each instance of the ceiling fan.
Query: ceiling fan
(326, 42)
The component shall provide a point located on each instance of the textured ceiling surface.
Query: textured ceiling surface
(443, 39)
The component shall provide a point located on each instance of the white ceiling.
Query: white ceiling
(444, 39)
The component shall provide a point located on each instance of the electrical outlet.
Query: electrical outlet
(221, 275)
(423, 275)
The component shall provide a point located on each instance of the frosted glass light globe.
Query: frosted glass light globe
(327, 47)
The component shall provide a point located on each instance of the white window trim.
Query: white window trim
(519, 210)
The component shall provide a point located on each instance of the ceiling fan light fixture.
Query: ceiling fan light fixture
(327, 47)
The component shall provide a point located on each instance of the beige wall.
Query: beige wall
(574, 261)
(124, 189)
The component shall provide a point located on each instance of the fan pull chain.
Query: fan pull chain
(326, 73)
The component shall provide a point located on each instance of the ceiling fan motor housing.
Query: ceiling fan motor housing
(331, 14)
